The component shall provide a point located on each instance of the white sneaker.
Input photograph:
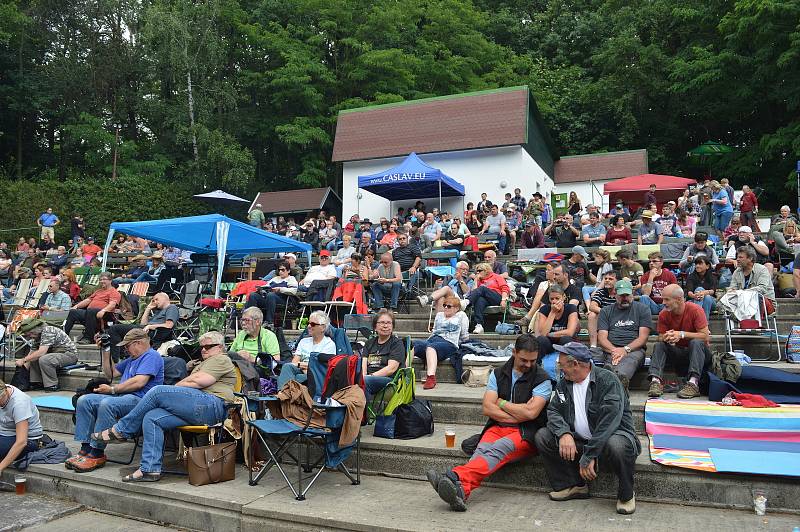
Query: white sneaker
(478, 329)
(423, 300)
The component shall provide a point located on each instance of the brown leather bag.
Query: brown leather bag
(211, 464)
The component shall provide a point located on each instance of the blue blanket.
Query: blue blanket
(58, 402)
(774, 384)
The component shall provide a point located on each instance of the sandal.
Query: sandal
(146, 477)
(108, 436)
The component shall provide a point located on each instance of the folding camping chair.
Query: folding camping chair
(21, 293)
(360, 323)
(408, 291)
(189, 310)
(279, 437)
(35, 295)
(759, 325)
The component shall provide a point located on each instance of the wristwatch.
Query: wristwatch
(627, 349)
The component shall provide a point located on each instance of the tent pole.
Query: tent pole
(440, 197)
(109, 239)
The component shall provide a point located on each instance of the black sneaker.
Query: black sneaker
(51, 389)
(434, 477)
(452, 493)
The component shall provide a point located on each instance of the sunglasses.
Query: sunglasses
(208, 346)
(312, 324)
(281, 269)
(448, 306)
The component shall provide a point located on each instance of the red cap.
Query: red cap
(324, 253)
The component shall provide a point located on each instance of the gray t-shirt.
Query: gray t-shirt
(160, 316)
(20, 407)
(494, 223)
(623, 324)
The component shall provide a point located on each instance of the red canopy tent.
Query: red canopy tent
(631, 189)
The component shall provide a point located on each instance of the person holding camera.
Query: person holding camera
(158, 320)
(563, 231)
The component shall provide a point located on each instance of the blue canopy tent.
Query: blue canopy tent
(210, 233)
(411, 179)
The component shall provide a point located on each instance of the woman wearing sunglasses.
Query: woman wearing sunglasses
(199, 399)
(450, 328)
(315, 342)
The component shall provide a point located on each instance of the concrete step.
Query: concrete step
(511, 498)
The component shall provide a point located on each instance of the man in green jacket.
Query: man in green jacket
(256, 217)
(588, 419)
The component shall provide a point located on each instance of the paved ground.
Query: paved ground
(89, 520)
(20, 511)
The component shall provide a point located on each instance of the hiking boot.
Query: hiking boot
(575, 492)
(88, 463)
(656, 388)
(423, 300)
(70, 461)
(430, 382)
(478, 329)
(627, 507)
(452, 493)
(626, 382)
(689, 391)
(434, 477)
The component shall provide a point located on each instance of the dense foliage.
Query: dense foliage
(243, 94)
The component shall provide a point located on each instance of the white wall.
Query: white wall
(588, 193)
(482, 170)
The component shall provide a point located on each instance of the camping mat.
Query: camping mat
(58, 402)
(683, 432)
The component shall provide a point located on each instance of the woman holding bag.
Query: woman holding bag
(450, 328)
(199, 399)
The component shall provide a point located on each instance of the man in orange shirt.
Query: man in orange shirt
(90, 250)
(95, 307)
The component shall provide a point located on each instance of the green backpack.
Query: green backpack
(726, 366)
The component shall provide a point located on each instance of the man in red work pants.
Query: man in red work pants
(515, 401)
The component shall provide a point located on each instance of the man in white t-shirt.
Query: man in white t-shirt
(588, 419)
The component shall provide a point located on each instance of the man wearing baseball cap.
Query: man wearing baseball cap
(51, 349)
(588, 419)
(321, 273)
(141, 370)
(622, 331)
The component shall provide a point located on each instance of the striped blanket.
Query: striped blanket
(686, 433)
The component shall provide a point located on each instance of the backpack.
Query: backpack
(413, 420)
(793, 345)
(726, 366)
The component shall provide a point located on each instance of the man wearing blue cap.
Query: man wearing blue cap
(588, 419)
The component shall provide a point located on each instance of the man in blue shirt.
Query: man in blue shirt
(47, 221)
(515, 400)
(98, 411)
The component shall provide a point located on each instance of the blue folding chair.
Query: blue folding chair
(280, 437)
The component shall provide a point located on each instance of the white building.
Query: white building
(489, 141)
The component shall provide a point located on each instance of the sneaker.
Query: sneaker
(627, 507)
(77, 457)
(478, 329)
(434, 477)
(689, 391)
(430, 382)
(452, 493)
(51, 389)
(656, 388)
(575, 492)
(88, 463)
(423, 300)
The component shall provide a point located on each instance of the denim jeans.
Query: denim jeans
(722, 220)
(7, 442)
(707, 303)
(587, 290)
(443, 348)
(379, 290)
(146, 278)
(165, 408)
(97, 412)
(375, 384)
(655, 308)
(290, 372)
(480, 298)
(501, 242)
(618, 455)
(267, 303)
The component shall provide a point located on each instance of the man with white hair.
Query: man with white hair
(256, 216)
(682, 334)
(458, 286)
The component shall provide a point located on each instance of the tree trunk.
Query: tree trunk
(19, 115)
(191, 113)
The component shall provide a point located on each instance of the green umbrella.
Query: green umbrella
(709, 148)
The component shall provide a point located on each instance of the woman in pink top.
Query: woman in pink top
(490, 289)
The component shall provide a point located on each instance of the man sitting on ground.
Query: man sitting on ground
(95, 412)
(386, 279)
(515, 400)
(682, 333)
(622, 332)
(51, 349)
(654, 282)
(102, 302)
(588, 420)
(158, 320)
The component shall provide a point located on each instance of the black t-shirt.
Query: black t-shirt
(561, 323)
(564, 237)
(572, 292)
(694, 281)
(761, 259)
(379, 355)
(577, 271)
(77, 227)
(405, 256)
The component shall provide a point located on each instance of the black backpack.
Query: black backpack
(413, 420)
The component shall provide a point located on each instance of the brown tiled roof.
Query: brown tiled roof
(474, 120)
(597, 166)
(304, 199)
